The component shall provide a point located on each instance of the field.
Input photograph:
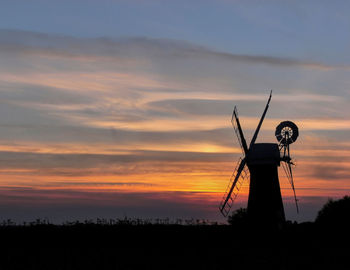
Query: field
(135, 245)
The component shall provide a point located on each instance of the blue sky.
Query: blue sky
(123, 107)
(316, 30)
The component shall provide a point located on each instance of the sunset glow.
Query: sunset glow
(138, 124)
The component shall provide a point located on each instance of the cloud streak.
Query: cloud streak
(107, 49)
(142, 115)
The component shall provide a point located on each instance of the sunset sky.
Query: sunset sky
(111, 108)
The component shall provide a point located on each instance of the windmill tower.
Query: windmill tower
(261, 162)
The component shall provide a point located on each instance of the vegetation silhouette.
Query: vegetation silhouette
(128, 243)
(335, 213)
(238, 218)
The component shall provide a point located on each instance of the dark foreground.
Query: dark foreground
(91, 246)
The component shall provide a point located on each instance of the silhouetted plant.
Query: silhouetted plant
(102, 222)
(238, 217)
(335, 213)
(8, 222)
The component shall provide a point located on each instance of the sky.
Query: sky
(122, 108)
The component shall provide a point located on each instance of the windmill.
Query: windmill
(260, 162)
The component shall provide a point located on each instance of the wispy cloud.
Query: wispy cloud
(153, 115)
(38, 44)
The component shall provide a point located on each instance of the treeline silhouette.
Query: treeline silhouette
(129, 243)
(335, 214)
(126, 221)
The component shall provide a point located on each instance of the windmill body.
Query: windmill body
(261, 162)
(265, 201)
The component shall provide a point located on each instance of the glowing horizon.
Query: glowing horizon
(138, 122)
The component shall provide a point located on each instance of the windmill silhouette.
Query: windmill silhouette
(261, 162)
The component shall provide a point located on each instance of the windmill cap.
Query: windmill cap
(264, 153)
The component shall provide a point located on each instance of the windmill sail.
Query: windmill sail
(239, 132)
(288, 171)
(292, 184)
(287, 167)
(240, 174)
(261, 121)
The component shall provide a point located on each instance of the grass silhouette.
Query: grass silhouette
(172, 244)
